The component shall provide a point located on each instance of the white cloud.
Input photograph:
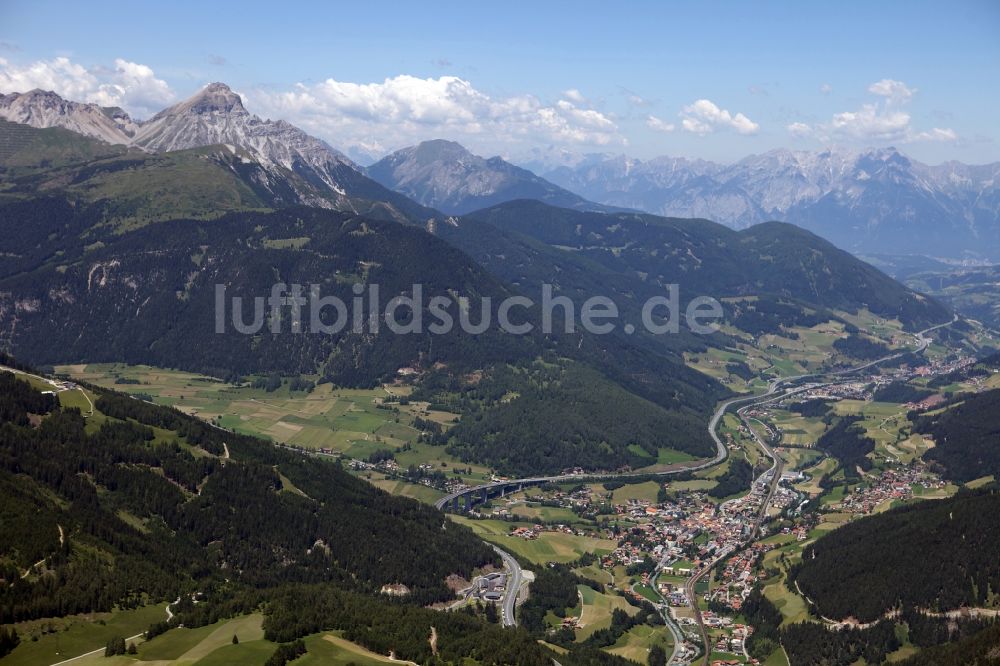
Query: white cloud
(826, 89)
(130, 85)
(872, 123)
(799, 129)
(405, 109)
(880, 122)
(935, 134)
(659, 124)
(704, 117)
(893, 90)
(575, 96)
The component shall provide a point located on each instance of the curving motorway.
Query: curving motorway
(511, 589)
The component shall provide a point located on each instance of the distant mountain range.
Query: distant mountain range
(875, 201)
(446, 176)
(866, 201)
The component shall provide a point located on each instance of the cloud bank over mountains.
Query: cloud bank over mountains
(370, 119)
(882, 121)
(129, 85)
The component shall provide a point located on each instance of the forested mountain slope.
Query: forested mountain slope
(149, 296)
(936, 555)
(138, 504)
(966, 436)
(197, 517)
(710, 259)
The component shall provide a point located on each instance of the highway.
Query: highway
(511, 589)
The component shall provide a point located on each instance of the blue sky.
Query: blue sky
(716, 80)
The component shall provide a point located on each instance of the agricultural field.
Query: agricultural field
(598, 575)
(816, 473)
(211, 645)
(887, 425)
(330, 649)
(346, 420)
(797, 430)
(548, 547)
(353, 422)
(636, 642)
(796, 458)
(196, 646)
(596, 609)
(792, 606)
(646, 491)
(67, 637)
(545, 514)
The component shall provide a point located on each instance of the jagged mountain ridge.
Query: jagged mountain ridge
(43, 109)
(446, 176)
(875, 200)
(216, 115)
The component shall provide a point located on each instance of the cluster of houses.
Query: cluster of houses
(891, 484)
(739, 575)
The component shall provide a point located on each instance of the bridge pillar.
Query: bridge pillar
(454, 505)
(486, 495)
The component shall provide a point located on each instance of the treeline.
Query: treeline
(171, 322)
(736, 479)
(966, 437)
(8, 640)
(980, 649)
(766, 619)
(18, 400)
(937, 555)
(404, 630)
(772, 315)
(861, 348)
(901, 392)
(549, 417)
(553, 590)
(195, 432)
(812, 644)
(813, 408)
(847, 442)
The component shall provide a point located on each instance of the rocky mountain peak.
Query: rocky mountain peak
(215, 98)
(437, 150)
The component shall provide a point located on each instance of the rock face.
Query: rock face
(446, 176)
(216, 115)
(42, 109)
(873, 200)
